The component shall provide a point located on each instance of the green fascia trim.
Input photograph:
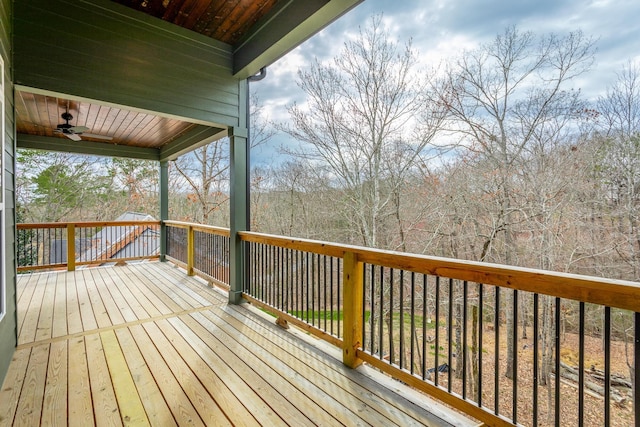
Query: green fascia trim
(282, 30)
(85, 147)
(196, 137)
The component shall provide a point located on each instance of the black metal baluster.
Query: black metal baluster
(480, 340)
(284, 266)
(263, 265)
(324, 282)
(391, 346)
(401, 319)
(437, 333)
(364, 307)
(557, 363)
(372, 309)
(496, 363)
(607, 366)
(465, 300)
(450, 335)
(313, 290)
(267, 276)
(339, 295)
(319, 306)
(535, 359)
(424, 326)
(581, 368)
(636, 364)
(292, 284)
(265, 260)
(306, 274)
(515, 357)
(381, 316)
(256, 266)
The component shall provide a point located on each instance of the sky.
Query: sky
(440, 29)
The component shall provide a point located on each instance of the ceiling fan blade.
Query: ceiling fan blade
(93, 135)
(73, 136)
(78, 129)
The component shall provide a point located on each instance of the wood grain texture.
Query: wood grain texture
(105, 405)
(54, 406)
(79, 390)
(613, 293)
(131, 409)
(204, 363)
(12, 387)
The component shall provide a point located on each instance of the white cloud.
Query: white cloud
(441, 29)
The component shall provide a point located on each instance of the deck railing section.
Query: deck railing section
(200, 249)
(71, 244)
(505, 345)
(303, 285)
(447, 327)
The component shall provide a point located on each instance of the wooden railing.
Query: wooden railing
(70, 244)
(200, 249)
(443, 326)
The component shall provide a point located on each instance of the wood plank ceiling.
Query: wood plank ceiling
(224, 20)
(40, 115)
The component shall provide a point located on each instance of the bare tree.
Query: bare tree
(206, 169)
(620, 118)
(366, 121)
(501, 98)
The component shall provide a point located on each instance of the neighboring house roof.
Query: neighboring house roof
(113, 242)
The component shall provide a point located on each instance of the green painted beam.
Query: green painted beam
(287, 26)
(196, 137)
(85, 147)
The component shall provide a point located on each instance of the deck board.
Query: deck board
(80, 404)
(73, 314)
(145, 344)
(54, 408)
(152, 399)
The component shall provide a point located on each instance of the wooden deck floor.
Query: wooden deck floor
(145, 344)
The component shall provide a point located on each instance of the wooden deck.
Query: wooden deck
(145, 344)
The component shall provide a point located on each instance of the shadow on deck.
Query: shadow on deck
(146, 344)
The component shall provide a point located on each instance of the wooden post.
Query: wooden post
(353, 304)
(191, 253)
(71, 247)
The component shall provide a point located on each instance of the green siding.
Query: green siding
(8, 334)
(103, 51)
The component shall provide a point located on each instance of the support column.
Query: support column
(239, 153)
(164, 208)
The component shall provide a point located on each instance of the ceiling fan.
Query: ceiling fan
(74, 132)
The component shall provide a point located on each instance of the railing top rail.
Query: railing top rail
(609, 292)
(209, 228)
(25, 226)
